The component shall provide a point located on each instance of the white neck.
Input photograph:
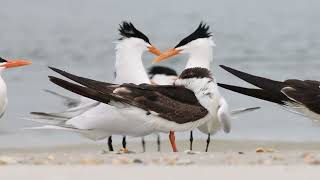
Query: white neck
(3, 93)
(200, 57)
(204, 89)
(129, 67)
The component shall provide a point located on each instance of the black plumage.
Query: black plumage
(174, 103)
(292, 91)
(127, 30)
(195, 72)
(161, 70)
(201, 32)
(2, 60)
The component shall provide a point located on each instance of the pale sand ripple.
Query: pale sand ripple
(222, 152)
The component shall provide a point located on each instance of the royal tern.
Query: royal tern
(199, 46)
(301, 97)
(89, 117)
(6, 64)
(193, 100)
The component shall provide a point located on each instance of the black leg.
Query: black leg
(158, 142)
(110, 143)
(208, 142)
(191, 140)
(143, 144)
(124, 142)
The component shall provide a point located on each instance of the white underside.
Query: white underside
(128, 120)
(3, 96)
(302, 110)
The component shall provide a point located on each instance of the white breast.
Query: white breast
(3, 96)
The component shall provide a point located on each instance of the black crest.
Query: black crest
(2, 60)
(196, 72)
(201, 32)
(162, 70)
(127, 30)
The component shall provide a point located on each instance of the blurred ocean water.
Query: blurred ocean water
(274, 39)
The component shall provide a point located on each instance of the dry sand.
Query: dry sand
(227, 159)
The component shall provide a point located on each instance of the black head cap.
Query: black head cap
(2, 60)
(201, 32)
(196, 72)
(127, 30)
(162, 70)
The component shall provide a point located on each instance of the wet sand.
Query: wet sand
(227, 159)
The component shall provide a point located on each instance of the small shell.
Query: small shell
(264, 150)
(51, 157)
(121, 160)
(4, 160)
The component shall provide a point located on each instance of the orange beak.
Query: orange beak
(154, 51)
(166, 55)
(15, 63)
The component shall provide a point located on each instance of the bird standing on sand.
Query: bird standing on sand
(193, 100)
(6, 64)
(199, 46)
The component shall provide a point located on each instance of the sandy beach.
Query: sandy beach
(227, 159)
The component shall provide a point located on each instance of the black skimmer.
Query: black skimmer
(160, 75)
(199, 45)
(88, 116)
(298, 96)
(6, 64)
(193, 100)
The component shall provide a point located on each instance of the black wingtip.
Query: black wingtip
(275, 97)
(56, 69)
(261, 82)
(232, 71)
(51, 77)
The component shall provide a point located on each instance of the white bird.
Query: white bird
(6, 64)
(89, 117)
(193, 100)
(199, 46)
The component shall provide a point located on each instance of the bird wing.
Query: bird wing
(263, 83)
(174, 103)
(84, 81)
(169, 102)
(224, 115)
(275, 97)
(306, 93)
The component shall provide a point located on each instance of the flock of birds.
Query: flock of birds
(138, 104)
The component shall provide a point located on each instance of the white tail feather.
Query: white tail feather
(243, 110)
(91, 134)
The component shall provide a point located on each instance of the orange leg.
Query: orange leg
(173, 141)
